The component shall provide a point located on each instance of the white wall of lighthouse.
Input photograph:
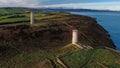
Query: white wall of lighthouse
(74, 36)
(31, 17)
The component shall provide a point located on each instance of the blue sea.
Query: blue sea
(110, 21)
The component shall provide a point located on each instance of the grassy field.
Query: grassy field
(20, 15)
(7, 11)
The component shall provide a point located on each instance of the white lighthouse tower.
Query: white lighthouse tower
(31, 17)
(74, 36)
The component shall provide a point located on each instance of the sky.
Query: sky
(87, 4)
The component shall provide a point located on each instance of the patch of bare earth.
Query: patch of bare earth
(44, 64)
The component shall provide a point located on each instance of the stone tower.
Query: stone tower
(74, 36)
(31, 17)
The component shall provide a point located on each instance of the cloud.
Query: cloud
(94, 5)
(33, 3)
(18, 3)
(88, 4)
(29, 3)
(50, 2)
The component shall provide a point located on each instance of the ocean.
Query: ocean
(109, 21)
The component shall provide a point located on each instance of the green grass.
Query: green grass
(31, 60)
(25, 60)
(14, 18)
(70, 55)
(4, 17)
(7, 13)
(97, 58)
(4, 11)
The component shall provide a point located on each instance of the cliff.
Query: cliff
(59, 30)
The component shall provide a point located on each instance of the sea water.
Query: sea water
(110, 21)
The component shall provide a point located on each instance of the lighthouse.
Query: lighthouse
(74, 36)
(31, 17)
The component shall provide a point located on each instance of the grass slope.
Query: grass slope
(39, 59)
(96, 58)
(70, 55)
